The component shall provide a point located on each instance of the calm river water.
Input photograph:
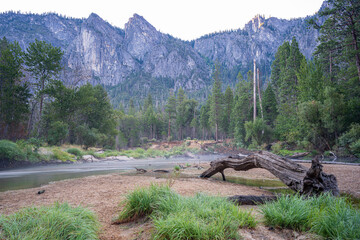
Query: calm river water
(30, 177)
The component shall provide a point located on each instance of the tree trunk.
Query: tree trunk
(169, 127)
(260, 101)
(216, 132)
(254, 90)
(297, 177)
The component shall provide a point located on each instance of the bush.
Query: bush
(177, 168)
(88, 137)
(59, 221)
(75, 151)
(36, 143)
(57, 133)
(10, 151)
(351, 139)
(62, 156)
(176, 217)
(258, 132)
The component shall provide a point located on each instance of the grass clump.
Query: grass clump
(11, 151)
(177, 217)
(59, 221)
(328, 216)
(288, 212)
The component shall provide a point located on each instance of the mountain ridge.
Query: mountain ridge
(139, 59)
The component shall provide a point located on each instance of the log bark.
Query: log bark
(297, 177)
(251, 200)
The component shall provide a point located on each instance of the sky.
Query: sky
(184, 19)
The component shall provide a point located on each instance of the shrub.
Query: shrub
(351, 139)
(258, 131)
(88, 137)
(36, 143)
(177, 168)
(176, 217)
(57, 133)
(10, 151)
(75, 151)
(62, 156)
(59, 221)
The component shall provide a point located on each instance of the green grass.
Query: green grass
(177, 217)
(59, 221)
(327, 216)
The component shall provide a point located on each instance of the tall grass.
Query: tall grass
(177, 217)
(328, 216)
(59, 221)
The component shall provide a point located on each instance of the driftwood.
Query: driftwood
(251, 200)
(298, 155)
(297, 177)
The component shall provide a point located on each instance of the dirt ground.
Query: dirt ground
(103, 194)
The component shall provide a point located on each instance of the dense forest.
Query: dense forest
(308, 104)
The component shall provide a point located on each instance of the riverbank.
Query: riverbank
(103, 193)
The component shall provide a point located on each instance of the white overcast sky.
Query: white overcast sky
(184, 19)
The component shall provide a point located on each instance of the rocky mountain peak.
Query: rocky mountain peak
(140, 36)
(138, 22)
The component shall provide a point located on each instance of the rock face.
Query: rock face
(138, 59)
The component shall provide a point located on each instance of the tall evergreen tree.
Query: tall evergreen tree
(43, 61)
(204, 117)
(216, 107)
(242, 110)
(170, 108)
(270, 106)
(228, 106)
(340, 36)
(180, 111)
(14, 93)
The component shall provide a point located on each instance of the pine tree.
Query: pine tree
(180, 111)
(204, 117)
(242, 110)
(270, 106)
(228, 106)
(285, 81)
(216, 107)
(340, 33)
(14, 94)
(170, 108)
(43, 61)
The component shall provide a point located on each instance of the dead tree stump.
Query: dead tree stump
(306, 181)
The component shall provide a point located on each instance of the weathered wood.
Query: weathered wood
(140, 170)
(298, 155)
(290, 173)
(316, 181)
(251, 200)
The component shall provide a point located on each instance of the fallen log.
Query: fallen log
(297, 177)
(251, 200)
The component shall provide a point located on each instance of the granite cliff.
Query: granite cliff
(138, 59)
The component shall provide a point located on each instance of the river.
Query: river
(30, 177)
